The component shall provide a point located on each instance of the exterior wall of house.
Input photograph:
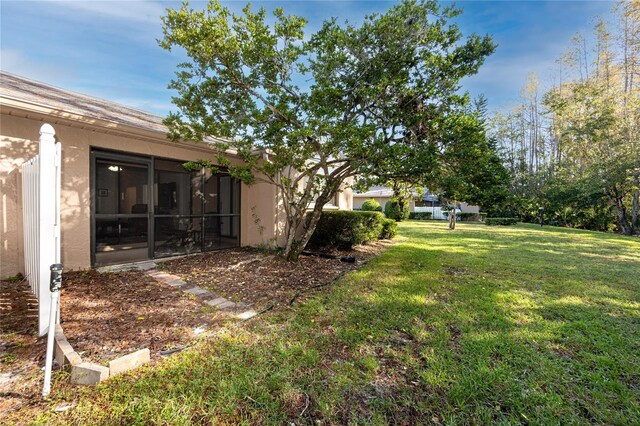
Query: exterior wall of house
(345, 196)
(466, 208)
(358, 201)
(261, 221)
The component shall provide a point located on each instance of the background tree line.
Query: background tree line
(574, 149)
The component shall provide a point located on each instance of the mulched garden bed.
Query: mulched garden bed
(107, 315)
(103, 316)
(263, 279)
(21, 351)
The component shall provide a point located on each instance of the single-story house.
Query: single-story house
(125, 195)
(426, 202)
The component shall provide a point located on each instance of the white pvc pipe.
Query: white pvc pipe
(50, 336)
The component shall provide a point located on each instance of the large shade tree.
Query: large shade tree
(309, 113)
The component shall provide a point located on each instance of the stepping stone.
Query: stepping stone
(162, 276)
(177, 282)
(216, 302)
(247, 314)
(213, 299)
(168, 277)
(145, 266)
(226, 305)
(196, 291)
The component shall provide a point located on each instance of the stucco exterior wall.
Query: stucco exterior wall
(345, 196)
(260, 219)
(358, 201)
(466, 208)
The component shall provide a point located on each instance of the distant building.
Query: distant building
(428, 202)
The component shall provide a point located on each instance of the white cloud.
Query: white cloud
(16, 62)
(138, 11)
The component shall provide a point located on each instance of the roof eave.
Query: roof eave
(19, 107)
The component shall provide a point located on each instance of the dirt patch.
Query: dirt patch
(454, 271)
(264, 279)
(108, 315)
(455, 334)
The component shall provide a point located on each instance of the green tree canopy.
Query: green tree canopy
(575, 149)
(309, 114)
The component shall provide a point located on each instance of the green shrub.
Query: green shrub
(503, 221)
(393, 211)
(343, 229)
(420, 215)
(371, 205)
(389, 229)
(469, 216)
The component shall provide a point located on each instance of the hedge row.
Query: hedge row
(420, 215)
(343, 229)
(504, 221)
(389, 229)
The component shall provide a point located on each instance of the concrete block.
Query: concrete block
(87, 373)
(198, 291)
(216, 302)
(129, 362)
(63, 352)
(146, 266)
(247, 314)
(176, 282)
(159, 274)
(227, 305)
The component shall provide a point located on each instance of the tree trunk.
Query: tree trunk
(291, 236)
(635, 203)
(295, 246)
(622, 215)
(452, 219)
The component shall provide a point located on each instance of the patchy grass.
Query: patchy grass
(481, 325)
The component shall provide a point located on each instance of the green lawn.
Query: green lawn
(509, 325)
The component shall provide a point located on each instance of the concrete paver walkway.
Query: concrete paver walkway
(241, 310)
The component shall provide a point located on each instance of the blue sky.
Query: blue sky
(109, 50)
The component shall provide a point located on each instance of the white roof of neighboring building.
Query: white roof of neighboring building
(386, 192)
(374, 193)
